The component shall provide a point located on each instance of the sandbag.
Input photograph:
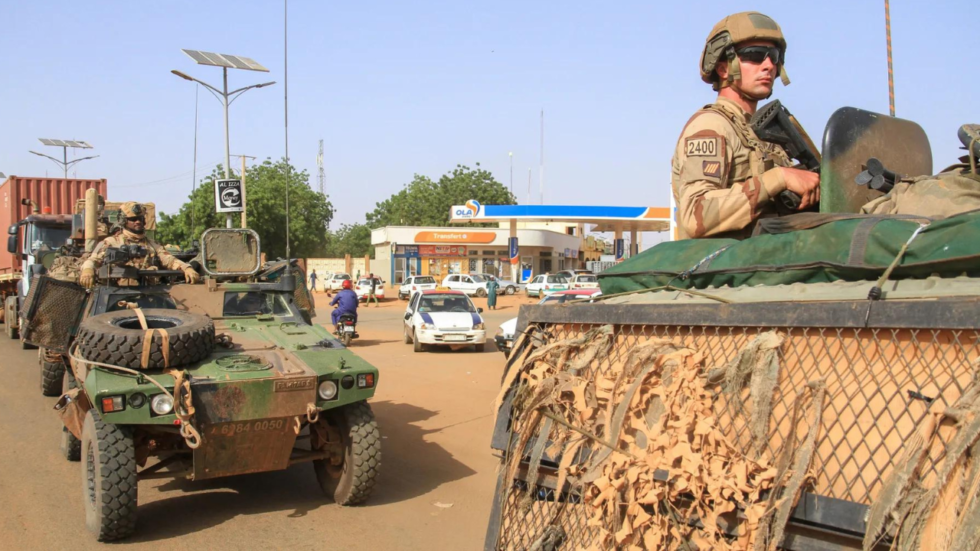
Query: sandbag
(939, 196)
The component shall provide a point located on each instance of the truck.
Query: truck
(165, 379)
(37, 213)
(814, 386)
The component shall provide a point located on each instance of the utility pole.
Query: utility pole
(511, 172)
(541, 176)
(244, 201)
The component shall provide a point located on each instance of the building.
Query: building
(401, 251)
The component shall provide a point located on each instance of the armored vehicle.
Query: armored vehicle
(201, 381)
(814, 386)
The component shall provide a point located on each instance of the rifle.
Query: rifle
(123, 254)
(775, 124)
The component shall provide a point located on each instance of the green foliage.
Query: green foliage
(352, 239)
(426, 203)
(310, 212)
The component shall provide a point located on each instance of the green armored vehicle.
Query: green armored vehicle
(815, 386)
(201, 381)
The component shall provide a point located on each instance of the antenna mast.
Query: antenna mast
(320, 176)
(285, 100)
(891, 74)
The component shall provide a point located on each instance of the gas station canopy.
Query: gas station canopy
(638, 219)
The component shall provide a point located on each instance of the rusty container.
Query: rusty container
(52, 195)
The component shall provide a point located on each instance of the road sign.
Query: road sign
(228, 196)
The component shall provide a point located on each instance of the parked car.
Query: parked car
(363, 288)
(584, 281)
(469, 284)
(570, 274)
(504, 338)
(444, 318)
(546, 284)
(336, 281)
(507, 287)
(416, 283)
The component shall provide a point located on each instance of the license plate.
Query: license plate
(348, 329)
(455, 338)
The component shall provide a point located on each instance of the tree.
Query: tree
(310, 212)
(352, 239)
(426, 203)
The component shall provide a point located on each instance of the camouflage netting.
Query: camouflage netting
(639, 444)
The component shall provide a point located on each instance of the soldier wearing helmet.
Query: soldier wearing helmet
(723, 177)
(134, 233)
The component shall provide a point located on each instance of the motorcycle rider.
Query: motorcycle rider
(346, 301)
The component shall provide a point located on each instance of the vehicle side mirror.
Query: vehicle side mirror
(408, 316)
(12, 230)
(12, 244)
(479, 310)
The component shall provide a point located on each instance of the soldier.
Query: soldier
(133, 233)
(723, 177)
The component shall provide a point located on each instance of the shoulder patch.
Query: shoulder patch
(701, 147)
(711, 168)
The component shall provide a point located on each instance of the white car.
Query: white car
(506, 286)
(504, 338)
(363, 288)
(584, 281)
(414, 284)
(336, 281)
(469, 284)
(546, 284)
(444, 318)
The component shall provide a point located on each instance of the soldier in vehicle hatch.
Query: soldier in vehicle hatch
(723, 177)
(133, 233)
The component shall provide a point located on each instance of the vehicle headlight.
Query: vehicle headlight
(427, 326)
(327, 390)
(478, 326)
(162, 404)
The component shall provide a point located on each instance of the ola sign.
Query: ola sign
(472, 209)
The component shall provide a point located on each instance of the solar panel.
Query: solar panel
(66, 143)
(225, 60)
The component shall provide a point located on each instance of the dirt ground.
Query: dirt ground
(438, 473)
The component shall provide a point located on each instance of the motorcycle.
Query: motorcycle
(347, 328)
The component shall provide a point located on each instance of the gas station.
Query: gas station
(603, 219)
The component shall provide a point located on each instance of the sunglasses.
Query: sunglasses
(758, 54)
(135, 219)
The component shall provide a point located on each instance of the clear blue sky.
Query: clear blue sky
(397, 88)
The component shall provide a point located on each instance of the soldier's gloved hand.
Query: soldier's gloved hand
(87, 278)
(190, 275)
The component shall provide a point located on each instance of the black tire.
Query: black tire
(70, 446)
(419, 347)
(511, 290)
(117, 338)
(352, 482)
(52, 376)
(109, 487)
(10, 316)
(408, 337)
(346, 338)
(481, 292)
(480, 347)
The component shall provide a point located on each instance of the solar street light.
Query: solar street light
(226, 98)
(65, 144)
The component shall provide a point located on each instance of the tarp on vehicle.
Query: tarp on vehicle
(849, 248)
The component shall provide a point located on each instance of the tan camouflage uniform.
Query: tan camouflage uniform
(722, 174)
(156, 255)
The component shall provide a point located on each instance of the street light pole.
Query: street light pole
(224, 71)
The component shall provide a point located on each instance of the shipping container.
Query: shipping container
(57, 194)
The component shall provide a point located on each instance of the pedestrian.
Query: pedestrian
(724, 178)
(492, 294)
(371, 293)
(313, 280)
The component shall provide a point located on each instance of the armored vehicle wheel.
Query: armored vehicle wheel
(109, 488)
(481, 292)
(52, 374)
(10, 316)
(117, 338)
(71, 447)
(419, 347)
(352, 482)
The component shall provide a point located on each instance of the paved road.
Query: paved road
(434, 410)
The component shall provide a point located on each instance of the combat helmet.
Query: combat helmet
(736, 28)
(132, 209)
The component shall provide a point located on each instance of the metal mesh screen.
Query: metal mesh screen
(51, 312)
(879, 384)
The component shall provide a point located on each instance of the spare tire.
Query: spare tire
(117, 338)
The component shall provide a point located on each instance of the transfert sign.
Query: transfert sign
(228, 196)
